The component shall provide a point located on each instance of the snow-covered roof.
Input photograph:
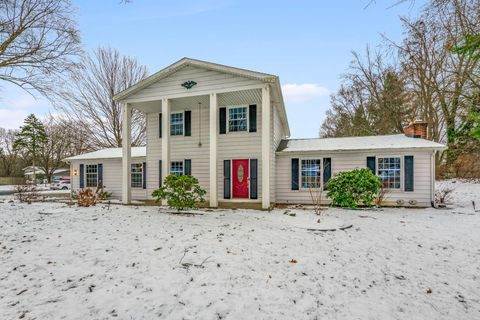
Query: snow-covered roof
(109, 153)
(395, 141)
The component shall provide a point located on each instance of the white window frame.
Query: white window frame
(183, 124)
(400, 188)
(170, 166)
(228, 118)
(86, 175)
(300, 173)
(141, 175)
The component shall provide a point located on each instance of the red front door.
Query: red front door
(240, 178)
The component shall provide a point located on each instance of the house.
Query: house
(57, 173)
(228, 128)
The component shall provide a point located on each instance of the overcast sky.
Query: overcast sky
(307, 44)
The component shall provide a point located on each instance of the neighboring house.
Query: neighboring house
(228, 127)
(58, 173)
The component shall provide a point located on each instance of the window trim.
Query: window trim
(401, 171)
(96, 175)
(170, 124)
(247, 117)
(170, 166)
(300, 185)
(141, 175)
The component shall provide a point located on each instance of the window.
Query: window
(91, 175)
(389, 172)
(237, 119)
(136, 175)
(311, 173)
(176, 167)
(176, 124)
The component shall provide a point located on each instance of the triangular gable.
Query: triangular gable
(187, 62)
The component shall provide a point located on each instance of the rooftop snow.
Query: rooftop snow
(110, 153)
(396, 141)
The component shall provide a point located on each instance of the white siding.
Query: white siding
(240, 145)
(112, 178)
(351, 160)
(277, 134)
(207, 81)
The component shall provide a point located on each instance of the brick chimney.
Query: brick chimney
(416, 129)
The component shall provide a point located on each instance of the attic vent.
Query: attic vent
(188, 84)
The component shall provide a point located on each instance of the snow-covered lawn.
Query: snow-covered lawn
(60, 262)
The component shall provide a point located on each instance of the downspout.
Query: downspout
(432, 179)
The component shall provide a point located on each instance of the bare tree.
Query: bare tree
(87, 97)
(64, 139)
(38, 41)
(9, 156)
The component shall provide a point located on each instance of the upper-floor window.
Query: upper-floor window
(389, 172)
(311, 173)
(237, 119)
(176, 124)
(91, 175)
(136, 175)
(176, 167)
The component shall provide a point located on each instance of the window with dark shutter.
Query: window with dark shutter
(295, 164)
(327, 171)
(409, 173)
(222, 120)
(188, 123)
(371, 164)
(82, 176)
(144, 177)
(187, 167)
(100, 175)
(226, 179)
(252, 118)
(253, 179)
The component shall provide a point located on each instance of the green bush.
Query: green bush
(181, 192)
(354, 188)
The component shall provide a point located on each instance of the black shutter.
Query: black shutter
(188, 123)
(100, 175)
(371, 164)
(226, 179)
(144, 175)
(295, 163)
(252, 118)
(187, 170)
(408, 173)
(223, 120)
(253, 179)
(159, 125)
(82, 176)
(160, 173)
(327, 171)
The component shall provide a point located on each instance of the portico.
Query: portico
(226, 114)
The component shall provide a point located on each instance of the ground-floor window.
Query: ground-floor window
(91, 175)
(389, 170)
(176, 167)
(136, 175)
(311, 173)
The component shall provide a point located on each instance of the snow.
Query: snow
(384, 142)
(134, 262)
(109, 153)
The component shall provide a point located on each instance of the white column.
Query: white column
(165, 139)
(213, 149)
(126, 152)
(266, 147)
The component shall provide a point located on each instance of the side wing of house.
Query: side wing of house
(408, 175)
